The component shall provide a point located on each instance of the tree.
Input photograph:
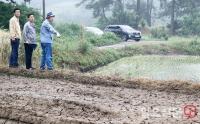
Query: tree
(149, 11)
(12, 1)
(110, 12)
(6, 12)
(138, 13)
(173, 17)
(169, 9)
(120, 15)
(99, 7)
(27, 1)
(144, 14)
(181, 12)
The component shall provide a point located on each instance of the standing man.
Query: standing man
(46, 35)
(29, 36)
(15, 36)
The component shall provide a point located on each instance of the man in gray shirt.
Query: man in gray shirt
(29, 36)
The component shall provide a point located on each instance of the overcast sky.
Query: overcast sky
(65, 11)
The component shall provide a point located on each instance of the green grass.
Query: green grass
(154, 67)
(148, 37)
(105, 39)
(96, 58)
(75, 33)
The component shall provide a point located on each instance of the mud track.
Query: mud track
(130, 43)
(70, 100)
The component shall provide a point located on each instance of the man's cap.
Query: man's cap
(50, 14)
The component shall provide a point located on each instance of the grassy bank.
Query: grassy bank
(96, 58)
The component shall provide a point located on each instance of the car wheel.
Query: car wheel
(137, 40)
(124, 37)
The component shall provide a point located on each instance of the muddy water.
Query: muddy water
(155, 67)
(43, 101)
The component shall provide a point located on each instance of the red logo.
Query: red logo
(190, 111)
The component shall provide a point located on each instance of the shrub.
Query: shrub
(160, 33)
(194, 47)
(69, 30)
(190, 26)
(75, 33)
(105, 39)
(142, 23)
(84, 47)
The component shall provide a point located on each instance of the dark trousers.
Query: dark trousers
(29, 48)
(13, 62)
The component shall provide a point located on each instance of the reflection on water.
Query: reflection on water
(155, 67)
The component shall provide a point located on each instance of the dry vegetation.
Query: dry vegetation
(3, 33)
(4, 47)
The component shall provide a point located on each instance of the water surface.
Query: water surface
(155, 67)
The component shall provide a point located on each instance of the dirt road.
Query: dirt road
(130, 43)
(44, 101)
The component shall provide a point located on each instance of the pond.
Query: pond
(155, 67)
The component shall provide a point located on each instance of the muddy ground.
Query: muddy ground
(130, 43)
(45, 101)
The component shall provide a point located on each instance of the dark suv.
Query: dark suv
(125, 32)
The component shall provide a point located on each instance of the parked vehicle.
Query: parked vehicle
(94, 30)
(125, 32)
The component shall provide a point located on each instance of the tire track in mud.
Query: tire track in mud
(8, 121)
(45, 101)
(130, 43)
(45, 111)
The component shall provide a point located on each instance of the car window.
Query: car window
(127, 28)
(111, 27)
(114, 28)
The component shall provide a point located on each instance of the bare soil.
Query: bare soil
(49, 101)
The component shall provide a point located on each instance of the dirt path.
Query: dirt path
(44, 101)
(130, 43)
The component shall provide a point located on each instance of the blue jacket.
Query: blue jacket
(46, 32)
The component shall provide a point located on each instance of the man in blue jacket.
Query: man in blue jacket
(46, 36)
